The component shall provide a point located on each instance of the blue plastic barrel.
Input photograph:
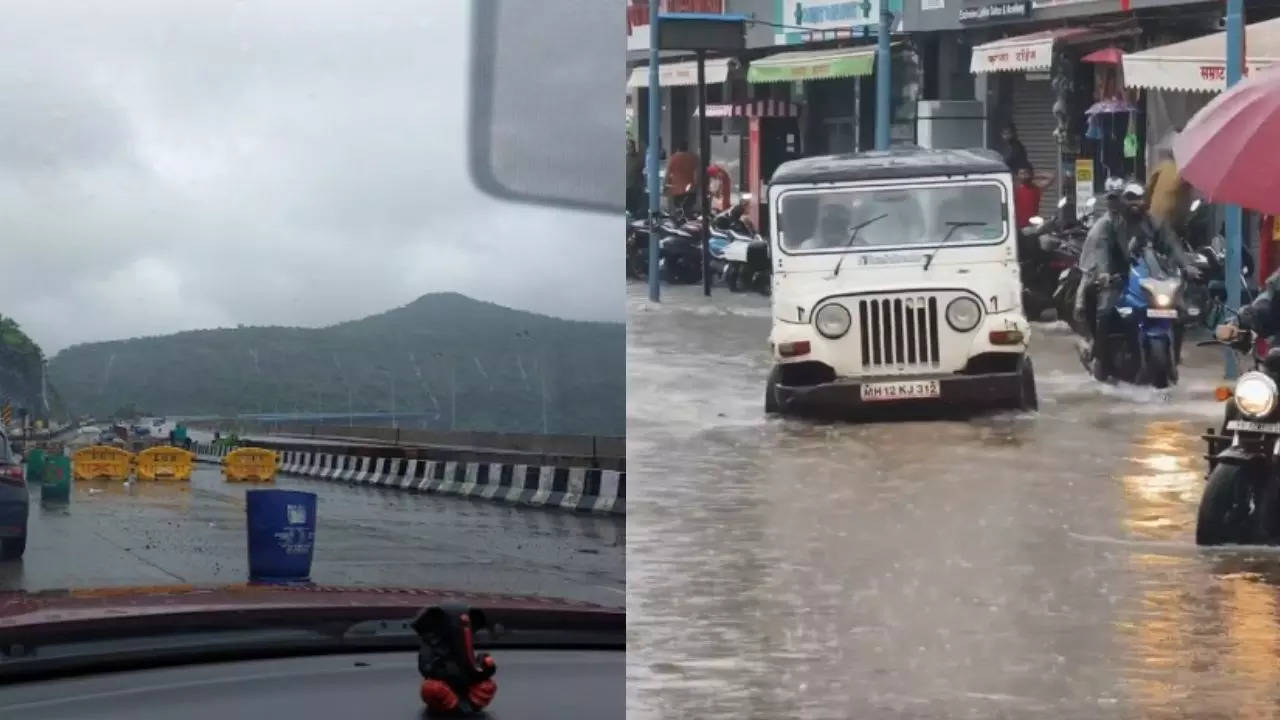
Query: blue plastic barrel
(282, 534)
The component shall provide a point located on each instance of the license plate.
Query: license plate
(1250, 426)
(1166, 314)
(909, 390)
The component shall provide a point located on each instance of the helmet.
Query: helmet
(1133, 192)
(1114, 186)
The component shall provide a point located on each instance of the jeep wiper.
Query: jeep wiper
(854, 236)
(954, 225)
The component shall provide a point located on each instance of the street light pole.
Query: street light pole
(704, 157)
(884, 76)
(1235, 70)
(651, 153)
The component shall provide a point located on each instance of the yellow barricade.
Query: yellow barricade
(101, 461)
(249, 465)
(163, 462)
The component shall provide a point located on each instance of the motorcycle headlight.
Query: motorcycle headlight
(963, 314)
(1255, 394)
(832, 321)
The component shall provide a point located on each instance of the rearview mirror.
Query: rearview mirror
(1195, 205)
(1062, 202)
(543, 127)
(1037, 221)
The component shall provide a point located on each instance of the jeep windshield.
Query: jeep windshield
(821, 221)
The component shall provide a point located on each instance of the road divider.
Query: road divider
(250, 464)
(579, 489)
(164, 462)
(99, 462)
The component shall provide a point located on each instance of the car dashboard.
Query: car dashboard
(532, 685)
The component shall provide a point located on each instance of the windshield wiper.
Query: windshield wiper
(854, 236)
(954, 225)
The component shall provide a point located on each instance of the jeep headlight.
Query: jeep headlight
(1255, 394)
(832, 320)
(963, 314)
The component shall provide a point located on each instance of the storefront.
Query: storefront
(1179, 78)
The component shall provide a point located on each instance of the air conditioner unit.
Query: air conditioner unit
(951, 124)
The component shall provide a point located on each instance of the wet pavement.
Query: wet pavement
(173, 532)
(1011, 565)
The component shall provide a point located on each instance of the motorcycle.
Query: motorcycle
(1241, 500)
(1046, 251)
(746, 256)
(1143, 333)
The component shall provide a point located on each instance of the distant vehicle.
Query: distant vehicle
(91, 430)
(15, 501)
(158, 422)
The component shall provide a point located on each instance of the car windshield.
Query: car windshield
(914, 216)
(254, 272)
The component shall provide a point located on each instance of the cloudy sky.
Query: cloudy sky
(168, 166)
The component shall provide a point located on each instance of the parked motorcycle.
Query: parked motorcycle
(1046, 250)
(1142, 332)
(1241, 500)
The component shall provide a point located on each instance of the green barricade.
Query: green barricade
(35, 466)
(57, 478)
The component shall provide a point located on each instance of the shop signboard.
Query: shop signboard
(1084, 183)
(993, 11)
(638, 17)
(805, 21)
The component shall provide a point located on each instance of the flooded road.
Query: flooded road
(194, 533)
(1014, 565)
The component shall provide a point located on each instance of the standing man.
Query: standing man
(1027, 192)
(1170, 194)
(1015, 155)
(682, 178)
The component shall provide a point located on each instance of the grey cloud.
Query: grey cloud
(188, 165)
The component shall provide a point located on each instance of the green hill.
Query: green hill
(444, 351)
(20, 373)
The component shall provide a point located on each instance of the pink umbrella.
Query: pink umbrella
(1229, 150)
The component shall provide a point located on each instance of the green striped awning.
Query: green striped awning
(813, 65)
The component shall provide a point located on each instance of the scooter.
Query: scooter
(1142, 337)
(1241, 500)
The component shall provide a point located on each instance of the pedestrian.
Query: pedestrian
(682, 171)
(1015, 155)
(1169, 194)
(1027, 192)
(635, 179)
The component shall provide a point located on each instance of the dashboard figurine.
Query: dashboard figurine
(455, 680)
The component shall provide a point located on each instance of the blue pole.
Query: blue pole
(884, 71)
(651, 156)
(1235, 70)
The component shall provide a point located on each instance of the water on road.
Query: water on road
(167, 532)
(1011, 565)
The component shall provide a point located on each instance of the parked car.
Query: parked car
(14, 502)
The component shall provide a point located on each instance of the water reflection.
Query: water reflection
(1203, 637)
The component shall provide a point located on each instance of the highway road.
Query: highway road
(111, 534)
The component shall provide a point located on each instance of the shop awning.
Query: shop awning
(1200, 64)
(1023, 53)
(813, 65)
(677, 74)
(754, 108)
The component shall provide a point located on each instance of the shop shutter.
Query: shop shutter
(1033, 114)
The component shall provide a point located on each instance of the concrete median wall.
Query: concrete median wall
(572, 450)
(578, 489)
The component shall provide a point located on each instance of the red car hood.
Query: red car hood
(61, 610)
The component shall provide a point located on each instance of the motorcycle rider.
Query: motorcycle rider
(1262, 316)
(1121, 234)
